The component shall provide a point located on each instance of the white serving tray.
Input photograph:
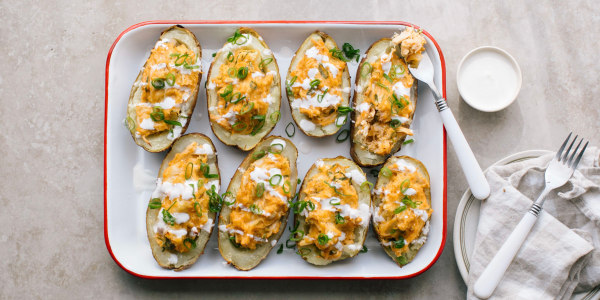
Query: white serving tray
(129, 171)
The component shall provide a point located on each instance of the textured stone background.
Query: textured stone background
(51, 130)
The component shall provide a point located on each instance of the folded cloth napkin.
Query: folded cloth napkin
(562, 252)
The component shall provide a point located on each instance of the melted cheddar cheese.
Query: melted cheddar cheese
(404, 211)
(261, 201)
(317, 84)
(333, 220)
(168, 79)
(184, 195)
(243, 90)
(383, 117)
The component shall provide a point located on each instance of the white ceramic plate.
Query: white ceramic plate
(467, 219)
(126, 163)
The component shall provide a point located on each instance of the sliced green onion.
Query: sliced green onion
(297, 236)
(395, 123)
(409, 141)
(339, 219)
(242, 73)
(158, 83)
(339, 118)
(293, 129)
(230, 56)
(197, 209)
(385, 171)
(402, 260)
(237, 97)
(265, 62)
(388, 78)
(170, 78)
(168, 217)
(191, 242)
(314, 84)
(366, 186)
(154, 203)
(364, 249)
(228, 195)
(342, 136)
(303, 251)
(335, 201)
(337, 53)
(409, 202)
(255, 209)
(290, 244)
(174, 55)
(280, 250)
(396, 71)
(227, 91)
(320, 97)
(258, 154)
(157, 114)
(189, 169)
(214, 200)
(299, 181)
(233, 242)
(288, 86)
(275, 180)
(366, 69)
(231, 72)
(382, 85)
(374, 172)
(404, 185)
(214, 54)
(173, 122)
(130, 123)
(323, 239)
(252, 85)
(400, 209)
(205, 168)
(260, 189)
(239, 126)
(344, 109)
(258, 126)
(276, 148)
(184, 56)
(247, 108)
(287, 186)
(275, 116)
(350, 52)
(323, 71)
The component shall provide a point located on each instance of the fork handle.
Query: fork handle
(477, 182)
(493, 273)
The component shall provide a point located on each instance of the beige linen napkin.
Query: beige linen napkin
(562, 252)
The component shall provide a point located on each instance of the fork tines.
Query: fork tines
(566, 159)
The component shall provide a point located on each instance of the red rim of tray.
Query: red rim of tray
(106, 239)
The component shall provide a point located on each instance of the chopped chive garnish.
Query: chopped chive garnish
(382, 85)
(280, 250)
(260, 189)
(399, 243)
(385, 171)
(157, 114)
(297, 235)
(395, 123)
(239, 126)
(258, 154)
(173, 122)
(230, 56)
(154, 203)
(366, 186)
(399, 209)
(168, 217)
(197, 209)
(339, 219)
(275, 180)
(314, 84)
(335, 201)
(323, 239)
(233, 242)
(258, 126)
(227, 91)
(337, 53)
(409, 202)
(366, 69)
(226, 196)
(237, 97)
(189, 169)
(342, 136)
(158, 83)
(287, 186)
(242, 73)
(320, 97)
(247, 108)
(404, 185)
(214, 200)
(292, 131)
(205, 168)
(299, 181)
(364, 249)
(264, 63)
(350, 52)
(276, 148)
(214, 54)
(275, 116)
(409, 141)
(388, 78)
(170, 78)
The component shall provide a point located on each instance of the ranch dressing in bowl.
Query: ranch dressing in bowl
(488, 78)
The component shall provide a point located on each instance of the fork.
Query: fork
(477, 182)
(558, 172)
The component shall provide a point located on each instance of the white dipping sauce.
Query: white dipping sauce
(489, 79)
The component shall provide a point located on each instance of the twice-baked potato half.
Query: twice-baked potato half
(402, 208)
(183, 207)
(384, 105)
(255, 206)
(332, 212)
(243, 90)
(164, 93)
(318, 86)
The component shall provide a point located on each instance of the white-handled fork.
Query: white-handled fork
(559, 170)
(477, 182)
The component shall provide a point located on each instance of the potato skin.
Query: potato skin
(159, 141)
(212, 97)
(413, 249)
(320, 131)
(358, 155)
(244, 259)
(189, 258)
(360, 232)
